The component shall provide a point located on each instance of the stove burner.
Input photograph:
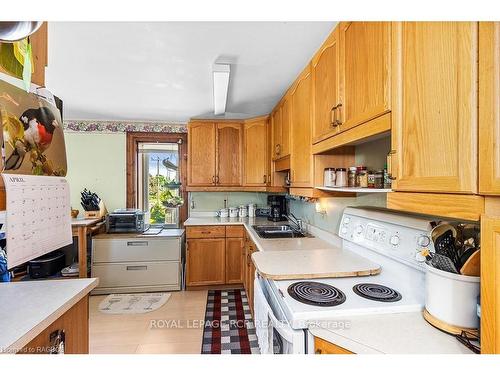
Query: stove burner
(377, 292)
(316, 294)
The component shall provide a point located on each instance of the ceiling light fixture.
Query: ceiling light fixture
(221, 85)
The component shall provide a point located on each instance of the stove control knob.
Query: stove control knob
(423, 241)
(347, 220)
(419, 257)
(359, 229)
(394, 240)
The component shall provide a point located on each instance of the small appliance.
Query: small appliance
(278, 206)
(125, 221)
(46, 265)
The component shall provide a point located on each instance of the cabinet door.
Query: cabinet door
(235, 253)
(489, 108)
(490, 279)
(205, 261)
(286, 125)
(229, 154)
(364, 72)
(276, 124)
(301, 156)
(325, 81)
(201, 154)
(324, 347)
(255, 153)
(434, 115)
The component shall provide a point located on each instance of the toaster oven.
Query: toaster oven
(125, 221)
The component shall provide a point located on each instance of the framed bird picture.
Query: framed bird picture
(33, 138)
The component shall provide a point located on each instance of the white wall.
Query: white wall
(97, 161)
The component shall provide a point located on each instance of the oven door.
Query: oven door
(282, 338)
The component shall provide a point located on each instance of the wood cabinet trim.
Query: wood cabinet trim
(489, 111)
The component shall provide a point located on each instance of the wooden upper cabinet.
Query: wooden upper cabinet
(365, 71)
(434, 107)
(276, 131)
(286, 125)
(326, 87)
(255, 153)
(229, 154)
(489, 108)
(301, 156)
(201, 154)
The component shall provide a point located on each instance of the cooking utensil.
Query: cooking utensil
(444, 244)
(439, 261)
(472, 267)
(442, 228)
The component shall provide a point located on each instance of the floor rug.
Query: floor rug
(137, 303)
(229, 328)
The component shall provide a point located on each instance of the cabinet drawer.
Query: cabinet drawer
(235, 231)
(206, 231)
(136, 274)
(135, 250)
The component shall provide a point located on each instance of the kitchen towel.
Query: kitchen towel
(261, 318)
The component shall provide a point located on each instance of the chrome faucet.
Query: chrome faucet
(296, 222)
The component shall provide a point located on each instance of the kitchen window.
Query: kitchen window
(155, 177)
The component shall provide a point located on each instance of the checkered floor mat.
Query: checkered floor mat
(229, 328)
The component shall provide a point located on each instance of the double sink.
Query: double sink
(278, 231)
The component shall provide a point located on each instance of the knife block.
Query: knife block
(96, 214)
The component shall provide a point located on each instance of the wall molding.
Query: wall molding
(120, 126)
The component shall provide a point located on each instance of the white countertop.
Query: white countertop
(398, 333)
(312, 264)
(28, 307)
(305, 243)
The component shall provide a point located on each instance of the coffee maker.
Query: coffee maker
(278, 207)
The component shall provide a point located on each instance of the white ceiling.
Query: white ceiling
(162, 70)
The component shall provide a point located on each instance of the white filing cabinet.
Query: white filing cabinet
(128, 263)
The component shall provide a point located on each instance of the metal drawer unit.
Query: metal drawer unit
(138, 263)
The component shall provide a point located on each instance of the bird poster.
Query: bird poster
(33, 138)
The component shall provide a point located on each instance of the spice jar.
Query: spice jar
(351, 177)
(371, 179)
(341, 177)
(379, 179)
(329, 177)
(363, 177)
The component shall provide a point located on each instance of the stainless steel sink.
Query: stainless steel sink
(278, 231)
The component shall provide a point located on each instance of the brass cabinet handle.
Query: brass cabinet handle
(269, 179)
(337, 108)
(333, 116)
(265, 178)
(216, 179)
(277, 149)
(213, 180)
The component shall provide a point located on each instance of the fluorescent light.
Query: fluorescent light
(221, 86)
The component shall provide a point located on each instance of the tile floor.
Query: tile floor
(176, 331)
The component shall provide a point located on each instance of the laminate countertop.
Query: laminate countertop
(398, 333)
(28, 307)
(285, 244)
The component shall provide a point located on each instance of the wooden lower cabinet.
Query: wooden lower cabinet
(235, 250)
(205, 261)
(72, 328)
(325, 347)
(249, 272)
(215, 255)
(490, 279)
